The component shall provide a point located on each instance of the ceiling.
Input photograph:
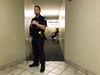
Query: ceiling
(50, 7)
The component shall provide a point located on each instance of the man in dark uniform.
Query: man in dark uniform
(55, 33)
(36, 31)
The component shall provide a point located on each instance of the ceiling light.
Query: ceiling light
(50, 12)
(53, 23)
(53, 20)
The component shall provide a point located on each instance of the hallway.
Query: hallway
(52, 68)
(53, 51)
(78, 22)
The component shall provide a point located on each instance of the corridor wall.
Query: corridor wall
(12, 42)
(82, 33)
(61, 26)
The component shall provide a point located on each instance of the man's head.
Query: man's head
(37, 10)
(56, 28)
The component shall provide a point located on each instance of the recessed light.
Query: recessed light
(50, 13)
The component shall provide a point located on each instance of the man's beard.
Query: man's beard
(37, 14)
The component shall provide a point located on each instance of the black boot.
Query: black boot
(52, 39)
(42, 68)
(34, 64)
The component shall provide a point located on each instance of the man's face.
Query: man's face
(37, 11)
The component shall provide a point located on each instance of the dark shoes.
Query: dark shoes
(42, 68)
(34, 64)
(52, 39)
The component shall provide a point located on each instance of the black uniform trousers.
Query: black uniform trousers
(38, 50)
(53, 36)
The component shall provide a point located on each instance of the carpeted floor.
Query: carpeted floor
(53, 51)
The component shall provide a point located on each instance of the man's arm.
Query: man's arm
(28, 36)
(56, 32)
(39, 25)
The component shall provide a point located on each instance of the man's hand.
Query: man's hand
(28, 40)
(34, 22)
(39, 25)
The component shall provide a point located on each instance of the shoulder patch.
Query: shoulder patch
(45, 19)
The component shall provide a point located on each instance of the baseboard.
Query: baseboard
(87, 72)
(48, 38)
(12, 63)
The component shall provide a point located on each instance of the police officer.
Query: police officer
(36, 30)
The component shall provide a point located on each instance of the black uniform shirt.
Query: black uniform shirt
(34, 29)
(57, 32)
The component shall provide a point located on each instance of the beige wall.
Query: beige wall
(82, 37)
(12, 42)
(61, 26)
(28, 14)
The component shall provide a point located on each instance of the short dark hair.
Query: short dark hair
(37, 7)
(57, 28)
